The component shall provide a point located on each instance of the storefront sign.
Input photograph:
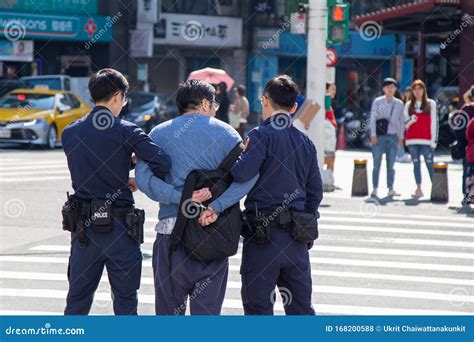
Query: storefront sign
(20, 25)
(61, 6)
(198, 30)
(16, 51)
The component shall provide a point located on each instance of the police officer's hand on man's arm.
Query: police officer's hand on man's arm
(145, 149)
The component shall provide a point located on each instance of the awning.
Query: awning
(439, 15)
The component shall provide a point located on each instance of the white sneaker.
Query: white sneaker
(392, 193)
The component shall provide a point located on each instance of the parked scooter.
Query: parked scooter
(356, 128)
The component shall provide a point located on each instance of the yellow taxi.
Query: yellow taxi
(38, 116)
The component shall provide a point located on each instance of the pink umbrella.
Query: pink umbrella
(212, 76)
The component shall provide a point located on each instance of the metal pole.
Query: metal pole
(316, 71)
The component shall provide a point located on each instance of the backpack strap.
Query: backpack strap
(230, 159)
(184, 204)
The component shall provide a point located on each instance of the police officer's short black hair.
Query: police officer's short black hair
(282, 92)
(106, 83)
(192, 92)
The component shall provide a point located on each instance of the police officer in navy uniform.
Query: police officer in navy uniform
(289, 184)
(99, 150)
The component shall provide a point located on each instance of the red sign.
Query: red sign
(331, 57)
(90, 27)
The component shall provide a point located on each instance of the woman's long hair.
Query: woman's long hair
(425, 106)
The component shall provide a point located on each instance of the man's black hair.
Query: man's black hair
(192, 92)
(106, 83)
(241, 90)
(282, 92)
(328, 84)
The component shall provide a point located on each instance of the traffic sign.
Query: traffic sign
(331, 57)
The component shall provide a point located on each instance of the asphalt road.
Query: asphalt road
(395, 257)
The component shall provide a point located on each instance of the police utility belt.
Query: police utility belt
(78, 215)
(302, 226)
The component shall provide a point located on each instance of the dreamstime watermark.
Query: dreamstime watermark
(286, 296)
(284, 27)
(370, 30)
(281, 121)
(46, 330)
(14, 30)
(185, 126)
(198, 289)
(466, 21)
(458, 119)
(14, 208)
(109, 22)
(192, 30)
(458, 296)
(286, 202)
(191, 209)
(370, 207)
(102, 119)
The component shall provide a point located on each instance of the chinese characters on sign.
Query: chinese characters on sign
(178, 29)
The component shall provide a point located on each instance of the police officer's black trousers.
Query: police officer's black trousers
(281, 262)
(123, 259)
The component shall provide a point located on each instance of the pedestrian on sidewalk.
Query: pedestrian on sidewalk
(422, 131)
(469, 182)
(222, 98)
(459, 121)
(387, 129)
(402, 152)
(241, 110)
(330, 140)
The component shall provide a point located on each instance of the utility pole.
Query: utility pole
(316, 71)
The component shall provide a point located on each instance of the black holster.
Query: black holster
(135, 222)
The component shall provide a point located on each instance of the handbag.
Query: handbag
(381, 125)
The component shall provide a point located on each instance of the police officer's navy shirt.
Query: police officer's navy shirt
(98, 148)
(287, 162)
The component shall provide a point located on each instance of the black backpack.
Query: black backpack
(219, 239)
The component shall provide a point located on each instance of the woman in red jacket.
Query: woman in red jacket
(422, 131)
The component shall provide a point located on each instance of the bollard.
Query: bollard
(439, 188)
(360, 185)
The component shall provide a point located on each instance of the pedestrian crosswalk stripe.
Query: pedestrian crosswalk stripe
(320, 309)
(314, 260)
(35, 166)
(376, 239)
(32, 179)
(395, 230)
(324, 220)
(384, 251)
(315, 272)
(434, 218)
(233, 303)
(403, 241)
(388, 264)
(28, 313)
(353, 220)
(320, 248)
(36, 172)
